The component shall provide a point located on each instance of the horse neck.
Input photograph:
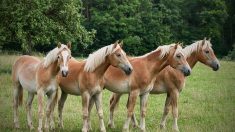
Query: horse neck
(101, 69)
(192, 59)
(53, 68)
(154, 64)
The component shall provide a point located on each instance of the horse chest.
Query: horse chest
(52, 86)
(95, 90)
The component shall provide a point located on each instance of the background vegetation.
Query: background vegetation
(206, 104)
(35, 25)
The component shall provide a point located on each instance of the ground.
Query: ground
(207, 103)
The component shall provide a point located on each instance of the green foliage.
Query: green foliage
(231, 54)
(36, 22)
(142, 24)
(154, 23)
(131, 21)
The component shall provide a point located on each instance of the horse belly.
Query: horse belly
(146, 89)
(121, 87)
(73, 90)
(29, 85)
(159, 89)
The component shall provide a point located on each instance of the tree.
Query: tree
(36, 22)
(205, 18)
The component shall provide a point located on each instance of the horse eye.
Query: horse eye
(207, 51)
(178, 56)
(118, 55)
(58, 57)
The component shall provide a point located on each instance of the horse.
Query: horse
(86, 79)
(141, 81)
(39, 77)
(171, 81)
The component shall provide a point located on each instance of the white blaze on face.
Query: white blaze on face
(65, 55)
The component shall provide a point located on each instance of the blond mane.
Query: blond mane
(165, 49)
(189, 49)
(52, 55)
(97, 58)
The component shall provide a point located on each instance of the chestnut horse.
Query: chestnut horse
(141, 81)
(86, 79)
(39, 77)
(172, 81)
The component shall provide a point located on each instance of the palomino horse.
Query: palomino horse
(172, 81)
(86, 79)
(39, 77)
(140, 82)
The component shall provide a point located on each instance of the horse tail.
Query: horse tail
(111, 99)
(18, 90)
(20, 102)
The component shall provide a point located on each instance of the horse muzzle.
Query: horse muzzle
(127, 70)
(65, 73)
(215, 65)
(186, 71)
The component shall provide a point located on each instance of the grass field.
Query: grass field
(207, 103)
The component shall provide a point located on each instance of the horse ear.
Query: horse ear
(209, 39)
(176, 45)
(121, 43)
(203, 41)
(69, 45)
(115, 44)
(59, 45)
(181, 44)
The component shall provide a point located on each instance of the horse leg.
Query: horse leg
(54, 97)
(16, 103)
(98, 103)
(113, 103)
(131, 105)
(133, 118)
(91, 104)
(174, 102)
(40, 94)
(49, 110)
(85, 103)
(166, 111)
(29, 110)
(62, 100)
(143, 105)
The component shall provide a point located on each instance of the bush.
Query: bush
(231, 54)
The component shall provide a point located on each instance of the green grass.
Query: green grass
(207, 103)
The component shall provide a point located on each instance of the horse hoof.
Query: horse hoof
(125, 130)
(176, 129)
(162, 126)
(17, 126)
(135, 126)
(90, 128)
(111, 125)
(61, 126)
(84, 130)
(103, 130)
(143, 130)
(40, 130)
(30, 127)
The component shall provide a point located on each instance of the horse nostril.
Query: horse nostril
(189, 72)
(64, 73)
(129, 69)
